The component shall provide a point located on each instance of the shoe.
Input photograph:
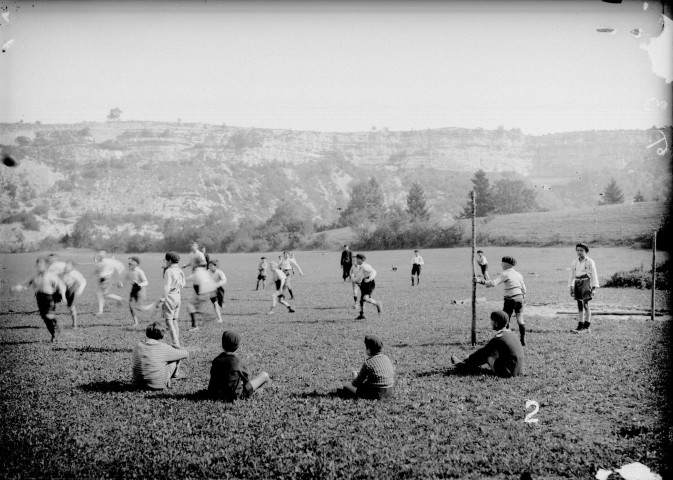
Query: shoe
(270, 312)
(379, 306)
(523, 343)
(193, 329)
(220, 321)
(454, 359)
(290, 309)
(360, 317)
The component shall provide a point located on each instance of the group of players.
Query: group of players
(57, 280)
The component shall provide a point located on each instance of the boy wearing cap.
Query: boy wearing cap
(503, 353)
(515, 291)
(364, 277)
(376, 378)
(154, 362)
(229, 375)
(416, 263)
(261, 273)
(583, 281)
(138, 282)
(174, 280)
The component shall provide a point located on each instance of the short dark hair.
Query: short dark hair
(172, 257)
(361, 256)
(135, 259)
(230, 341)
(155, 331)
(373, 344)
(510, 260)
(582, 245)
(500, 318)
(214, 262)
(480, 251)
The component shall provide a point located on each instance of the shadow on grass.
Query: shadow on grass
(316, 394)
(452, 372)
(253, 314)
(94, 349)
(319, 321)
(332, 308)
(22, 342)
(113, 386)
(198, 396)
(445, 344)
(19, 327)
(12, 312)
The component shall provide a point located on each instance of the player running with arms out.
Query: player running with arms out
(287, 265)
(583, 282)
(364, 277)
(74, 287)
(105, 268)
(279, 279)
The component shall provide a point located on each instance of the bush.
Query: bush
(640, 278)
(27, 220)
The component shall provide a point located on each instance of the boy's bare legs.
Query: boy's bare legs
(522, 327)
(132, 309)
(218, 312)
(259, 381)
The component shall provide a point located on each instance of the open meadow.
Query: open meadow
(68, 410)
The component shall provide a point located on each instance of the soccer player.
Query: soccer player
(198, 258)
(46, 284)
(230, 376)
(220, 280)
(483, 264)
(174, 280)
(105, 268)
(346, 262)
(515, 292)
(74, 283)
(416, 263)
(279, 278)
(582, 283)
(502, 353)
(204, 289)
(376, 379)
(364, 277)
(287, 266)
(354, 275)
(155, 364)
(261, 273)
(138, 280)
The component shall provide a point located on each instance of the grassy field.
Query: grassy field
(68, 411)
(604, 224)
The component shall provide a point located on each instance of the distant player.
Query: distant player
(74, 283)
(515, 291)
(138, 280)
(483, 264)
(287, 265)
(279, 279)
(346, 262)
(416, 263)
(220, 280)
(364, 276)
(261, 273)
(583, 282)
(105, 268)
(204, 290)
(198, 258)
(46, 284)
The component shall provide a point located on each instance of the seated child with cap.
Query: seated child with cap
(229, 375)
(503, 353)
(377, 376)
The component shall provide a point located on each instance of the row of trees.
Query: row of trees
(503, 197)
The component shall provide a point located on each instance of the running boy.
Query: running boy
(74, 283)
(174, 280)
(515, 291)
(376, 379)
(138, 281)
(279, 278)
(204, 290)
(105, 268)
(261, 273)
(583, 281)
(353, 274)
(483, 264)
(502, 353)
(230, 376)
(416, 263)
(220, 280)
(46, 284)
(364, 277)
(287, 266)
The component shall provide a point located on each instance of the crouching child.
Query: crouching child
(376, 379)
(503, 353)
(229, 375)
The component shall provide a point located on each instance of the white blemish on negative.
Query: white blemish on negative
(660, 51)
(7, 44)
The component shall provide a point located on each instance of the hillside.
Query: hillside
(168, 170)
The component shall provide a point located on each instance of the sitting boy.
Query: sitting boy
(377, 376)
(154, 362)
(229, 375)
(503, 353)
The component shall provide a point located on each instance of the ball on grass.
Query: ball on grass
(9, 161)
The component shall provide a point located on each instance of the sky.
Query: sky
(339, 66)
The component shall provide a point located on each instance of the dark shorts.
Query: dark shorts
(219, 297)
(137, 293)
(484, 268)
(346, 270)
(70, 296)
(582, 289)
(261, 276)
(278, 282)
(415, 269)
(513, 304)
(366, 288)
(375, 393)
(104, 284)
(45, 303)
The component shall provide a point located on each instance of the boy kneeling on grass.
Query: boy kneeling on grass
(503, 353)
(229, 375)
(155, 363)
(376, 379)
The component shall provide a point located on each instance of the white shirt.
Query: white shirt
(74, 280)
(417, 260)
(583, 267)
(202, 278)
(137, 276)
(108, 266)
(361, 272)
(218, 277)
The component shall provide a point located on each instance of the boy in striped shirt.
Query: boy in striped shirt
(155, 364)
(515, 291)
(376, 378)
